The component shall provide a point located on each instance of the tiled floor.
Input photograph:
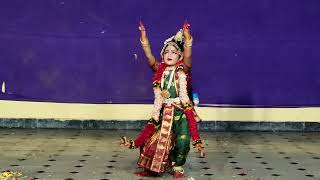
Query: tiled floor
(95, 154)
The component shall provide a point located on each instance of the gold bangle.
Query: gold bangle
(188, 43)
(144, 44)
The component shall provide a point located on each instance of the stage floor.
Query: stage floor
(95, 154)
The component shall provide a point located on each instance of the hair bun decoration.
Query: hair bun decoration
(179, 36)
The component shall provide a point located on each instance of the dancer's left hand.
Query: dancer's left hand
(202, 154)
(199, 147)
(186, 30)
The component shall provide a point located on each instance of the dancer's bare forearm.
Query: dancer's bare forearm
(146, 46)
(187, 53)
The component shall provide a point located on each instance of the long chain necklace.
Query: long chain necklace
(165, 92)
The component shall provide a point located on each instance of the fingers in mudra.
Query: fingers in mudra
(141, 26)
(202, 154)
(124, 141)
(186, 25)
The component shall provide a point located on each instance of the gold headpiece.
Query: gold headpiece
(177, 41)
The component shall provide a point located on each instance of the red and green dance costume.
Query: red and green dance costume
(167, 141)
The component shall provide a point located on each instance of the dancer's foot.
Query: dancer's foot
(178, 175)
(178, 172)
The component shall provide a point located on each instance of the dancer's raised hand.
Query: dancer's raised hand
(186, 30)
(143, 33)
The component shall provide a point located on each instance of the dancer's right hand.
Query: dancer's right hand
(143, 32)
(141, 26)
(124, 141)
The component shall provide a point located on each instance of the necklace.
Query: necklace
(165, 92)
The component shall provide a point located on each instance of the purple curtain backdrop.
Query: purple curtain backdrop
(245, 52)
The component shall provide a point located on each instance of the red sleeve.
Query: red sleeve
(145, 134)
(193, 126)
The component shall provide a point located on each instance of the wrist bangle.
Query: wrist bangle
(198, 141)
(188, 43)
(144, 44)
(131, 144)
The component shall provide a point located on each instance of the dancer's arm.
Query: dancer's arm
(145, 134)
(189, 111)
(142, 138)
(187, 53)
(193, 128)
(146, 47)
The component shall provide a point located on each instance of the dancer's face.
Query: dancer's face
(171, 55)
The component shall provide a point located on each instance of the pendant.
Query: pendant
(165, 94)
